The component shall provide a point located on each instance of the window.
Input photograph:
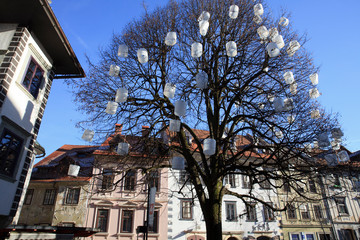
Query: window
(250, 212)
(154, 177)
(263, 182)
(102, 219)
(304, 211)
(155, 228)
(107, 179)
(49, 197)
(295, 236)
(312, 186)
(268, 213)
(33, 78)
(324, 237)
(341, 205)
(10, 148)
(72, 196)
(230, 208)
(28, 196)
(246, 181)
(186, 209)
(318, 212)
(127, 221)
(231, 180)
(291, 212)
(129, 181)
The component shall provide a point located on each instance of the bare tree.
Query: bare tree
(245, 95)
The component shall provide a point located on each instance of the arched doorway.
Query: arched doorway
(232, 238)
(263, 238)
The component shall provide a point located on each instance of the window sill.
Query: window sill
(186, 219)
(102, 234)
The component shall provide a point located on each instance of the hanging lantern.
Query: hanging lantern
(169, 90)
(314, 78)
(343, 156)
(273, 49)
(278, 104)
(123, 51)
(279, 134)
(293, 47)
(196, 50)
(284, 21)
(273, 32)
(314, 93)
(271, 97)
(204, 16)
(293, 88)
(114, 70)
(288, 104)
(261, 106)
(266, 69)
(121, 95)
(88, 135)
(278, 39)
(289, 77)
(209, 146)
(315, 114)
(331, 160)
(180, 108)
(291, 118)
(204, 26)
(201, 80)
(123, 148)
(142, 55)
(73, 170)
(231, 49)
(257, 19)
(174, 125)
(335, 145)
(258, 9)
(336, 133)
(315, 144)
(233, 11)
(178, 163)
(170, 38)
(111, 107)
(263, 32)
(323, 140)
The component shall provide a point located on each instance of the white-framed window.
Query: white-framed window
(72, 195)
(318, 212)
(49, 197)
(186, 209)
(231, 213)
(302, 236)
(246, 181)
(231, 180)
(250, 212)
(341, 205)
(268, 213)
(33, 78)
(304, 211)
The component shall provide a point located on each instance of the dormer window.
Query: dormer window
(33, 78)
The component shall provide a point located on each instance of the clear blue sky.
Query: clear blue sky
(332, 27)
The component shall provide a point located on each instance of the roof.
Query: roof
(63, 179)
(39, 18)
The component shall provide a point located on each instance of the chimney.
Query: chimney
(145, 131)
(118, 128)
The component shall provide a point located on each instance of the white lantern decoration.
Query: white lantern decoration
(323, 140)
(169, 90)
(336, 133)
(204, 16)
(335, 145)
(273, 49)
(143, 55)
(293, 47)
(263, 32)
(123, 148)
(121, 95)
(293, 88)
(73, 170)
(273, 32)
(307, 147)
(114, 70)
(209, 146)
(178, 163)
(180, 108)
(204, 26)
(278, 39)
(278, 104)
(279, 134)
(291, 118)
(266, 69)
(288, 104)
(258, 9)
(123, 51)
(271, 97)
(233, 11)
(257, 19)
(88, 135)
(231, 49)
(315, 114)
(170, 39)
(196, 50)
(331, 160)
(314, 93)
(343, 156)
(284, 21)
(315, 144)
(111, 107)
(202, 80)
(314, 78)
(261, 106)
(174, 125)
(289, 77)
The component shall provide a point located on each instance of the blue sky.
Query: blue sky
(332, 27)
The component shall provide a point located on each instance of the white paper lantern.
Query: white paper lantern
(114, 70)
(121, 95)
(170, 38)
(284, 21)
(278, 104)
(262, 32)
(202, 80)
(180, 108)
(174, 125)
(315, 144)
(279, 134)
(314, 93)
(204, 26)
(293, 88)
(291, 118)
(257, 19)
(266, 69)
(88, 135)
(343, 156)
(123, 51)
(231, 49)
(73, 170)
(335, 145)
(142, 55)
(279, 41)
(272, 49)
(293, 47)
(209, 146)
(169, 90)
(178, 163)
(331, 160)
(323, 140)
(289, 77)
(123, 148)
(288, 104)
(315, 114)
(233, 11)
(258, 9)
(273, 32)
(271, 97)
(314, 78)
(196, 50)
(336, 133)
(261, 106)
(204, 16)
(111, 107)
